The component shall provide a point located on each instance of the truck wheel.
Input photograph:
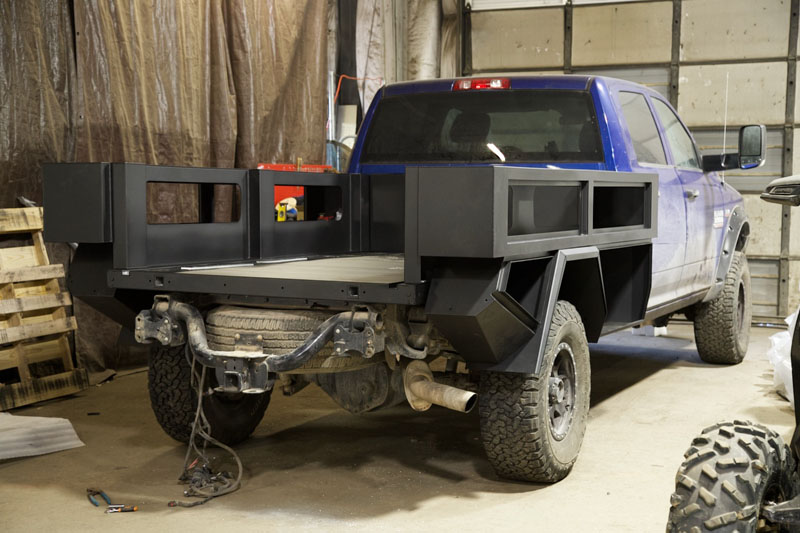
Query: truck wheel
(232, 417)
(533, 424)
(730, 471)
(722, 326)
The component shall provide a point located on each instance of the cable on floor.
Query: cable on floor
(198, 473)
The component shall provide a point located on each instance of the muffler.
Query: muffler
(422, 391)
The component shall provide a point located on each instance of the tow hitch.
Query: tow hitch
(174, 322)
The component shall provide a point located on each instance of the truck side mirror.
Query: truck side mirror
(752, 146)
(784, 191)
(752, 151)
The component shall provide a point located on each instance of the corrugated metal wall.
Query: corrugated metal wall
(689, 51)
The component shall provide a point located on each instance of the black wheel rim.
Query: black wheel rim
(774, 493)
(561, 391)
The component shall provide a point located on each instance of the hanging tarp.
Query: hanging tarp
(424, 26)
(278, 56)
(154, 83)
(402, 40)
(37, 75)
(370, 49)
(450, 40)
(201, 83)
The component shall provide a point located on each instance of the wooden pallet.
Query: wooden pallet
(33, 320)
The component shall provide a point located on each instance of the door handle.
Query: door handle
(691, 194)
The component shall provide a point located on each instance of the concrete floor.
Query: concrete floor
(312, 466)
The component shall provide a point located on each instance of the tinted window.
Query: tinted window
(681, 145)
(489, 126)
(642, 127)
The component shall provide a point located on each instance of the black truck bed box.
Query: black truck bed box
(375, 248)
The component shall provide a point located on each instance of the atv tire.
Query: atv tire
(722, 326)
(730, 471)
(233, 417)
(532, 425)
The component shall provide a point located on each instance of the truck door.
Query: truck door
(702, 197)
(669, 248)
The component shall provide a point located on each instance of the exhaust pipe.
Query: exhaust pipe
(422, 391)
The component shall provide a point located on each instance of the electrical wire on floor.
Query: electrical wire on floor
(203, 482)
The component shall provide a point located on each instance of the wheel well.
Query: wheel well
(582, 286)
(744, 234)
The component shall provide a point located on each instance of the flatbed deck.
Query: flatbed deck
(352, 269)
(373, 278)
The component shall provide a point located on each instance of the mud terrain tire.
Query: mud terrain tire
(722, 326)
(233, 417)
(524, 435)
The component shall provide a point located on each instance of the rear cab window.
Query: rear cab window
(492, 126)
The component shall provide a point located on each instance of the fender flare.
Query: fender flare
(737, 231)
(499, 329)
(529, 358)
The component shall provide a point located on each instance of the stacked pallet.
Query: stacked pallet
(34, 325)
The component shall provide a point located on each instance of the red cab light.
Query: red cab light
(481, 83)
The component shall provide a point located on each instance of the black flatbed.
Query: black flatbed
(372, 278)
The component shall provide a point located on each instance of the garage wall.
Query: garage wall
(716, 60)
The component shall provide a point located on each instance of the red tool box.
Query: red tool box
(292, 191)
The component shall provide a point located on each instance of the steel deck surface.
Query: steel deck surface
(352, 269)
(365, 278)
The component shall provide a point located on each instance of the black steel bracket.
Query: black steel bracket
(787, 512)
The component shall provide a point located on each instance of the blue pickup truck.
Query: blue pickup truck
(487, 230)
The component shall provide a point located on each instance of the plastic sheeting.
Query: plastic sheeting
(279, 62)
(205, 83)
(37, 75)
(25, 436)
(200, 83)
(424, 23)
(450, 40)
(370, 49)
(779, 354)
(420, 35)
(154, 83)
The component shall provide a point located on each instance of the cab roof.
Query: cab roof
(560, 81)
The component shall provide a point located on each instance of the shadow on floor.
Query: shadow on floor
(619, 363)
(345, 466)
(310, 458)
